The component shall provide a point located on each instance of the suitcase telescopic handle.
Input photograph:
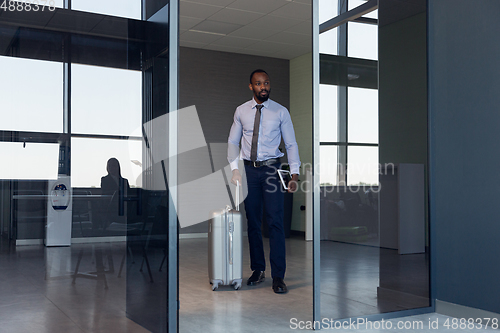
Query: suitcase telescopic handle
(237, 195)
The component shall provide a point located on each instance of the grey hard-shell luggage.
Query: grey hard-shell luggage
(225, 252)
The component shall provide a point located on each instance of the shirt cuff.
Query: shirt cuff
(234, 164)
(294, 169)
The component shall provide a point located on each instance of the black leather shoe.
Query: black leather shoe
(279, 286)
(257, 277)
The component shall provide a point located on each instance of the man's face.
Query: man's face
(261, 87)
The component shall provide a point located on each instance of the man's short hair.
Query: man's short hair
(257, 71)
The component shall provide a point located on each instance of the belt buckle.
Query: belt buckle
(254, 164)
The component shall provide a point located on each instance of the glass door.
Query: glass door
(371, 225)
(86, 86)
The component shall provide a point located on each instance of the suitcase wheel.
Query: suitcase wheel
(237, 285)
(215, 285)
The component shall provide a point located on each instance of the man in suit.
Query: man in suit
(259, 125)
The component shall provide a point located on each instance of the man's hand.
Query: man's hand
(292, 184)
(236, 177)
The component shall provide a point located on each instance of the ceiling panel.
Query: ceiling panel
(221, 3)
(294, 10)
(192, 44)
(235, 16)
(187, 23)
(288, 37)
(304, 28)
(197, 10)
(258, 6)
(216, 27)
(199, 37)
(235, 42)
(273, 23)
(253, 33)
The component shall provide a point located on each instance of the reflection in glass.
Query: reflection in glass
(356, 3)
(89, 159)
(328, 165)
(328, 113)
(362, 166)
(32, 95)
(29, 160)
(105, 100)
(362, 115)
(328, 42)
(362, 41)
(327, 10)
(122, 8)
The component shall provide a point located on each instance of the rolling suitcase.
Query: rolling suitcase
(225, 252)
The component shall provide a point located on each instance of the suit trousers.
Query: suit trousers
(265, 196)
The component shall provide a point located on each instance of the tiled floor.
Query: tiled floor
(37, 293)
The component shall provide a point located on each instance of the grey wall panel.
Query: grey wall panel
(403, 91)
(464, 79)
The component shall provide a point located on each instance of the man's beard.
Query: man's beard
(263, 98)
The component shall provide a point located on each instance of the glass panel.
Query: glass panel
(32, 95)
(122, 8)
(89, 158)
(23, 157)
(368, 266)
(362, 41)
(86, 217)
(362, 166)
(328, 9)
(106, 100)
(328, 165)
(362, 115)
(328, 113)
(356, 3)
(328, 42)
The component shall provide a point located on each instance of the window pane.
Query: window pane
(32, 95)
(122, 8)
(362, 166)
(362, 41)
(328, 42)
(328, 165)
(328, 9)
(89, 158)
(105, 100)
(31, 161)
(356, 3)
(328, 113)
(362, 115)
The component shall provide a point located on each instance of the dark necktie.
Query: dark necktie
(255, 137)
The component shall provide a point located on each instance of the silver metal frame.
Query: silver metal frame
(315, 158)
(173, 237)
